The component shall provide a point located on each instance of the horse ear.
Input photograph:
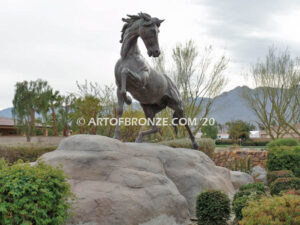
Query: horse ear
(159, 22)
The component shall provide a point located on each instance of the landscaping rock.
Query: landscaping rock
(239, 178)
(136, 183)
(259, 174)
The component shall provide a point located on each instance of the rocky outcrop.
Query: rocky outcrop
(133, 184)
(240, 178)
(259, 174)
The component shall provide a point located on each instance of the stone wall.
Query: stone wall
(229, 158)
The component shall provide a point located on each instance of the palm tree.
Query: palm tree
(66, 106)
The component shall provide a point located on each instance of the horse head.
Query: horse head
(148, 31)
(147, 28)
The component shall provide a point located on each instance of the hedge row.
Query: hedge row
(244, 143)
(206, 145)
(283, 142)
(26, 152)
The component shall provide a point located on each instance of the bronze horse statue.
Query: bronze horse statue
(153, 90)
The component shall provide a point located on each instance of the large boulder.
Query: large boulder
(239, 178)
(133, 184)
(259, 174)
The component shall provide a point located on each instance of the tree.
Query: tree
(30, 97)
(22, 107)
(65, 108)
(210, 131)
(55, 100)
(41, 90)
(239, 129)
(276, 97)
(199, 78)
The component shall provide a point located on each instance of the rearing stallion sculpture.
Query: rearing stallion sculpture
(153, 90)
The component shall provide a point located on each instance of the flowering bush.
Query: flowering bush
(272, 211)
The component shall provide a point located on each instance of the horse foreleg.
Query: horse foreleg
(123, 90)
(119, 113)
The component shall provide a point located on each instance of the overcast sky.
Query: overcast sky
(64, 41)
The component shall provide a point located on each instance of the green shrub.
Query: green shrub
(241, 199)
(283, 142)
(251, 142)
(24, 151)
(273, 175)
(253, 187)
(224, 142)
(37, 195)
(284, 158)
(239, 203)
(247, 193)
(206, 145)
(273, 211)
(212, 208)
(281, 184)
(2, 163)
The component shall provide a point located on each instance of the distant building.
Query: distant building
(291, 134)
(8, 128)
(254, 134)
(223, 135)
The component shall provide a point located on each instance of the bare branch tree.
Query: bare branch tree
(198, 76)
(275, 99)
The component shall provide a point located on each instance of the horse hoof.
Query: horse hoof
(128, 100)
(195, 146)
(139, 140)
(117, 136)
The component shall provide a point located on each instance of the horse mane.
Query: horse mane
(131, 19)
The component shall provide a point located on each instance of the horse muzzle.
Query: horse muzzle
(154, 53)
